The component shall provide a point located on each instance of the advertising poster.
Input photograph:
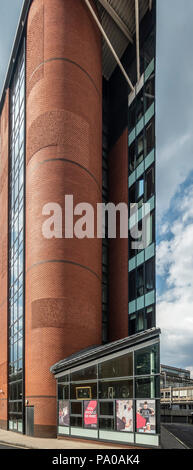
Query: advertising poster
(90, 414)
(124, 415)
(64, 415)
(145, 416)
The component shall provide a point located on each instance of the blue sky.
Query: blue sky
(174, 89)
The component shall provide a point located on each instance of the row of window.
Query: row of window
(143, 362)
(144, 387)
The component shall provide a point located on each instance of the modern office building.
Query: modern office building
(77, 118)
(171, 376)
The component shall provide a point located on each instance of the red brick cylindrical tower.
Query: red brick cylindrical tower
(63, 156)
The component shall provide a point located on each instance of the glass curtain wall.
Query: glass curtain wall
(119, 394)
(16, 245)
(141, 124)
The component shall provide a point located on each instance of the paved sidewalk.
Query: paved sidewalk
(14, 439)
(169, 441)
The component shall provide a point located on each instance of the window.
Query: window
(106, 408)
(63, 391)
(132, 116)
(149, 91)
(76, 421)
(83, 391)
(109, 389)
(147, 360)
(140, 281)
(147, 387)
(149, 317)
(84, 374)
(132, 324)
(132, 285)
(150, 136)
(118, 367)
(132, 156)
(76, 408)
(106, 423)
(140, 188)
(150, 275)
(150, 183)
(140, 321)
(139, 105)
(132, 199)
(140, 149)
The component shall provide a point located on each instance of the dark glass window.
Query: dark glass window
(147, 360)
(63, 392)
(118, 367)
(140, 281)
(140, 149)
(132, 157)
(147, 387)
(106, 423)
(139, 105)
(132, 286)
(110, 389)
(150, 136)
(132, 324)
(76, 421)
(106, 408)
(132, 195)
(150, 275)
(149, 91)
(76, 408)
(149, 317)
(140, 320)
(150, 183)
(132, 112)
(84, 374)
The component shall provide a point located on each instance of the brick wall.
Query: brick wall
(63, 156)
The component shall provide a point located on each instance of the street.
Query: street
(4, 446)
(184, 432)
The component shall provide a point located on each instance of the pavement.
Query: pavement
(13, 439)
(169, 438)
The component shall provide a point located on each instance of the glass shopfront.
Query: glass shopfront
(115, 398)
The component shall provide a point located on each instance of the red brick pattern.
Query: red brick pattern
(118, 248)
(4, 134)
(63, 156)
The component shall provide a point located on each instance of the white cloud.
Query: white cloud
(175, 304)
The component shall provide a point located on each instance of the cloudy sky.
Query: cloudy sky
(174, 169)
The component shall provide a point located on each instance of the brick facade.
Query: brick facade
(63, 156)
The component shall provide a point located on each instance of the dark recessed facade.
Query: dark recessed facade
(74, 121)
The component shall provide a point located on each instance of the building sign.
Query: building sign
(145, 416)
(90, 414)
(64, 414)
(124, 415)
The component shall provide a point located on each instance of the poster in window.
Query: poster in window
(124, 415)
(64, 415)
(90, 414)
(145, 416)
